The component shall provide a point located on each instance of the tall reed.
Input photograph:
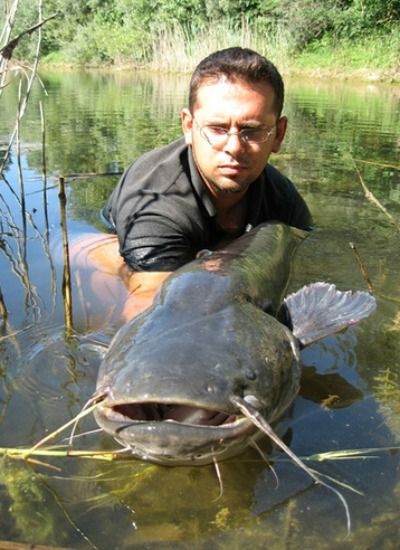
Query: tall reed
(175, 49)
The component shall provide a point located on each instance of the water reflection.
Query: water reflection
(98, 123)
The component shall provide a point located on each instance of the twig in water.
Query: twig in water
(46, 239)
(362, 267)
(66, 284)
(21, 177)
(97, 400)
(349, 454)
(51, 452)
(44, 168)
(377, 163)
(3, 308)
(371, 197)
(18, 264)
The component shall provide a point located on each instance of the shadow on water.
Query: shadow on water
(350, 391)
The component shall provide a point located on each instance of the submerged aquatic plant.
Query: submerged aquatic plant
(25, 496)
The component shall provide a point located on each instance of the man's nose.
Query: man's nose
(234, 143)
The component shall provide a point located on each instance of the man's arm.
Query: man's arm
(142, 287)
(99, 258)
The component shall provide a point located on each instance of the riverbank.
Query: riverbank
(318, 39)
(390, 76)
(374, 60)
(366, 74)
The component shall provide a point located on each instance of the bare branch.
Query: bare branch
(9, 23)
(7, 50)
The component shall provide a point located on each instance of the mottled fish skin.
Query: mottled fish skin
(213, 332)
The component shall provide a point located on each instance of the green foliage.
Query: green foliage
(379, 50)
(138, 31)
(360, 17)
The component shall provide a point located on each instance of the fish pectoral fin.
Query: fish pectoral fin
(319, 309)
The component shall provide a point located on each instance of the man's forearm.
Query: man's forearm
(142, 287)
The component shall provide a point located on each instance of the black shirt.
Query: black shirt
(163, 215)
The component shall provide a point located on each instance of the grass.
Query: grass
(174, 51)
(55, 57)
(379, 51)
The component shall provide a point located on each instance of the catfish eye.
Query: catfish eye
(250, 374)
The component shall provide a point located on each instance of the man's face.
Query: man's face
(232, 106)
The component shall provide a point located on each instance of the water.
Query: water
(340, 136)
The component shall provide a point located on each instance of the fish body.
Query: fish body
(219, 334)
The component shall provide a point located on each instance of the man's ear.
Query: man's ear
(280, 132)
(187, 125)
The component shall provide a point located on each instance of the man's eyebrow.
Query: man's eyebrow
(216, 122)
(252, 124)
(243, 124)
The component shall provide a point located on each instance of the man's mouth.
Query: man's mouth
(231, 169)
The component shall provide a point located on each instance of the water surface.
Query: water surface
(342, 151)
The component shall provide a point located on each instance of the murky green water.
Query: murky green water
(340, 136)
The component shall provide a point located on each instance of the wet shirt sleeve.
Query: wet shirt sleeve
(155, 242)
(155, 216)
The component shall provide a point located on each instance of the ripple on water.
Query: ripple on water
(52, 367)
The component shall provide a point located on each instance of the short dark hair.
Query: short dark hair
(237, 63)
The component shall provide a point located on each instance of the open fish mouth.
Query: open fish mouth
(175, 433)
(171, 412)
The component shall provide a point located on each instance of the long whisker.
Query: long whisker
(219, 477)
(93, 401)
(76, 436)
(265, 458)
(253, 414)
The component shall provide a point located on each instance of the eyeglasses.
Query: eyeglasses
(217, 136)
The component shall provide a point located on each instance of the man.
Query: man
(210, 186)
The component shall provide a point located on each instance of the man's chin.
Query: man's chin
(231, 186)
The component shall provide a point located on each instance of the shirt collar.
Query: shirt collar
(199, 185)
(255, 199)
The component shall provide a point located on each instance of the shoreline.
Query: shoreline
(361, 75)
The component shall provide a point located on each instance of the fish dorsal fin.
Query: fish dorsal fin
(319, 309)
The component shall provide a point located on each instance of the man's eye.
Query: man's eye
(251, 132)
(217, 130)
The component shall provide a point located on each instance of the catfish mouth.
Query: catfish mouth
(174, 433)
(172, 412)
